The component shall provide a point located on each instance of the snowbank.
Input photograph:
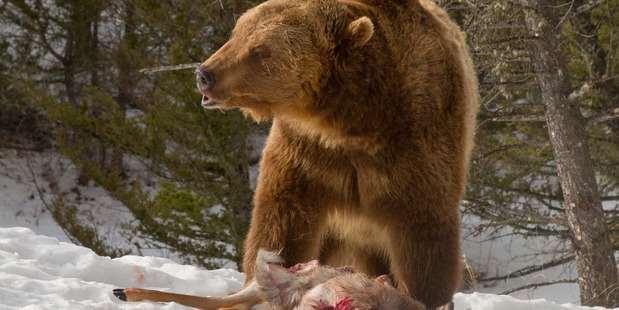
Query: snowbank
(39, 272)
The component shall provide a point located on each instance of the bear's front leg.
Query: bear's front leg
(426, 259)
(285, 218)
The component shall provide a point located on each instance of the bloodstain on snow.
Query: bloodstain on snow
(139, 274)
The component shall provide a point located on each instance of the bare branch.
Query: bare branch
(609, 198)
(583, 89)
(511, 215)
(603, 117)
(171, 68)
(506, 148)
(515, 118)
(511, 39)
(31, 175)
(536, 285)
(591, 120)
(530, 269)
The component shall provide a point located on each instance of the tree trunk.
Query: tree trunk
(597, 270)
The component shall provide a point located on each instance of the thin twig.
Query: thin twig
(506, 148)
(581, 9)
(566, 14)
(33, 178)
(31, 175)
(170, 68)
(515, 118)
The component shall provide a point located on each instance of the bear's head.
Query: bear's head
(280, 56)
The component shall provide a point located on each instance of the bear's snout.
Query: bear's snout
(206, 78)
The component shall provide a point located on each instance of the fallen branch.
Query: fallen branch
(171, 68)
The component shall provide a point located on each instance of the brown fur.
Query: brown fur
(373, 106)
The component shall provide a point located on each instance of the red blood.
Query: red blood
(139, 274)
(302, 266)
(344, 304)
(347, 269)
(385, 279)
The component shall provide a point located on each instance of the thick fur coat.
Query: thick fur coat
(373, 106)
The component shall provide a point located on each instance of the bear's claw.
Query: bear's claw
(120, 294)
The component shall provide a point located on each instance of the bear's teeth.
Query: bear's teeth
(206, 101)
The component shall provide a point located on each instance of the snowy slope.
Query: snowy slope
(29, 180)
(39, 272)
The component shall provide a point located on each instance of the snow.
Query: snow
(29, 180)
(41, 269)
(40, 272)
(512, 252)
(479, 301)
(19, 202)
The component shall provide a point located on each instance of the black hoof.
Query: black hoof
(120, 294)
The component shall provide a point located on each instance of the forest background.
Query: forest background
(546, 162)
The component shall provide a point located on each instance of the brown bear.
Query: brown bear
(373, 105)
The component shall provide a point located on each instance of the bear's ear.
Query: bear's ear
(359, 32)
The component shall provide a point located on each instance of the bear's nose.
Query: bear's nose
(206, 78)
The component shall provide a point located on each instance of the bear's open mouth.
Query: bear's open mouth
(211, 100)
(207, 102)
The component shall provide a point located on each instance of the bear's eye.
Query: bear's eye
(259, 53)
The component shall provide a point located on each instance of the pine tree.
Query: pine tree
(519, 177)
(91, 89)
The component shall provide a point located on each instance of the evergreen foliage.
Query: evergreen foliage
(513, 181)
(80, 62)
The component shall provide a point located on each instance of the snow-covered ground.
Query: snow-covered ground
(40, 269)
(40, 272)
